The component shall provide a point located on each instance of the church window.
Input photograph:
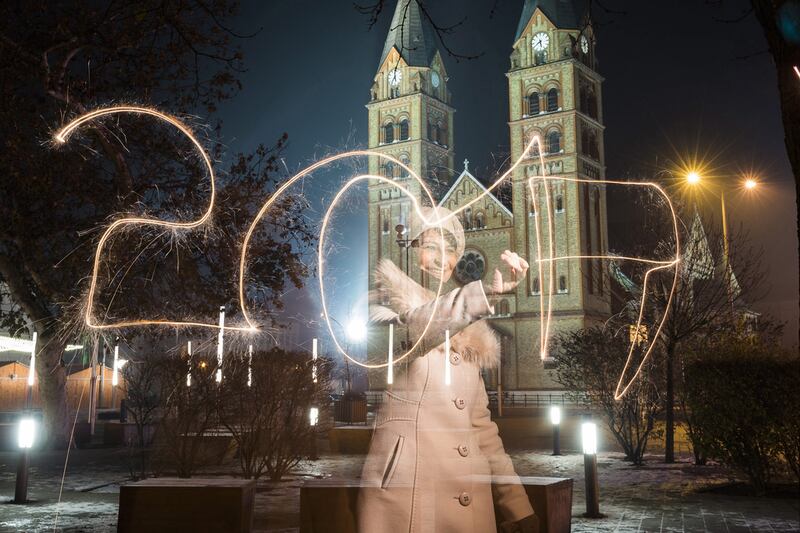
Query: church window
(552, 100)
(503, 307)
(471, 267)
(479, 223)
(598, 236)
(533, 104)
(404, 130)
(468, 218)
(559, 204)
(536, 286)
(388, 170)
(553, 142)
(385, 217)
(403, 172)
(388, 133)
(540, 57)
(562, 283)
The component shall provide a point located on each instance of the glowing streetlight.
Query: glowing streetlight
(693, 178)
(555, 419)
(750, 184)
(356, 330)
(589, 439)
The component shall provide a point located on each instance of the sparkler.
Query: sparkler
(447, 377)
(546, 298)
(390, 363)
(220, 342)
(115, 371)
(314, 360)
(189, 364)
(249, 365)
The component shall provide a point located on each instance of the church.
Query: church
(555, 92)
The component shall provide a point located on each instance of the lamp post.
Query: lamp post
(25, 438)
(589, 438)
(405, 243)
(693, 178)
(555, 419)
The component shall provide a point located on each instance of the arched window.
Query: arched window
(552, 99)
(503, 307)
(388, 170)
(441, 138)
(533, 104)
(562, 283)
(559, 204)
(599, 237)
(388, 133)
(479, 223)
(403, 172)
(540, 57)
(468, 218)
(553, 142)
(535, 286)
(385, 216)
(404, 130)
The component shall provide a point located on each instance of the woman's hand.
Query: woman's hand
(519, 267)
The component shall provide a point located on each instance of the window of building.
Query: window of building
(470, 267)
(503, 308)
(552, 100)
(388, 169)
(559, 203)
(385, 217)
(388, 133)
(553, 142)
(536, 286)
(405, 160)
(404, 130)
(467, 219)
(533, 104)
(540, 57)
(562, 283)
(479, 223)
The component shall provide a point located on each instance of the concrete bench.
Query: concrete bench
(329, 505)
(192, 505)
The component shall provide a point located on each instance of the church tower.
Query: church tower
(555, 92)
(411, 119)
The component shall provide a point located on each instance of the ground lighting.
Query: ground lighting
(589, 440)
(555, 420)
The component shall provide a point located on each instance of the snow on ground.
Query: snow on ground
(656, 497)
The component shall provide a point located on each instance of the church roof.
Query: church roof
(560, 12)
(466, 175)
(412, 34)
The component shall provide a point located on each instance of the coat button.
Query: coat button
(464, 499)
(455, 358)
(460, 403)
(463, 450)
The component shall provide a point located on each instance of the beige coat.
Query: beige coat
(435, 449)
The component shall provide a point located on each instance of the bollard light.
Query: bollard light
(27, 433)
(589, 438)
(313, 416)
(555, 419)
(220, 343)
(26, 437)
(555, 415)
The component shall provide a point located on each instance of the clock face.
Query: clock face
(584, 44)
(395, 76)
(540, 41)
(435, 79)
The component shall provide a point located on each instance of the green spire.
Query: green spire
(560, 12)
(412, 34)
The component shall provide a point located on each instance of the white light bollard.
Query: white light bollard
(390, 361)
(220, 342)
(555, 420)
(589, 440)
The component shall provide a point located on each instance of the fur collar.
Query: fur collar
(397, 293)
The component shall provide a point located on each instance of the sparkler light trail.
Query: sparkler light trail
(542, 262)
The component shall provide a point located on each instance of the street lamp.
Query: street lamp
(555, 419)
(25, 439)
(589, 438)
(749, 183)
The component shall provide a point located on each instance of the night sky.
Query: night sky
(678, 82)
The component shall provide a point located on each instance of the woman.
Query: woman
(435, 450)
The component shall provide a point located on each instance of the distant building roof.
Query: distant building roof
(412, 34)
(560, 12)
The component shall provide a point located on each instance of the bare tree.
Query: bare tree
(270, 418)
(141, 377)
(590, 362)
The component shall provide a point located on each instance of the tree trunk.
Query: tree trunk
(787, 57)
(52, 381)
(669, 407)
